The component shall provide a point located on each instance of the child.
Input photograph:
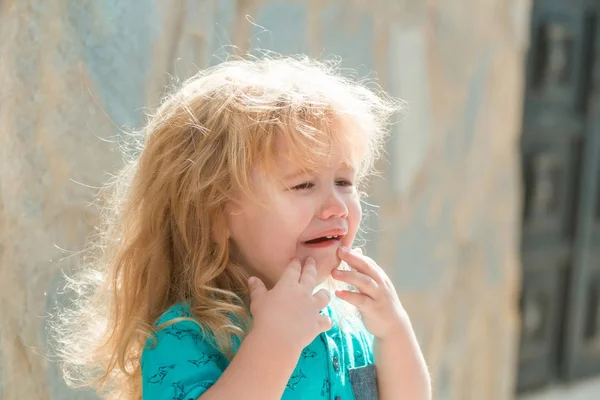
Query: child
(241, 205)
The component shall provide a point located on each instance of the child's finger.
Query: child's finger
(292, 272)
(308, 277)
(358, 300)
(322, 298)
(362, 282)
(257, 288)
(360, 263)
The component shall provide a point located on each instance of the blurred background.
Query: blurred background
(487, 216)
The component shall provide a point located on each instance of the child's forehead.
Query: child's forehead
(288, 161)
(327, 144)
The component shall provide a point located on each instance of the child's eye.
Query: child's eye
(343, 182)
(304, 186)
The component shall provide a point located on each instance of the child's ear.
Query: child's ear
(232, 207)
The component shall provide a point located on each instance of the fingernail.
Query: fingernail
(345, 249)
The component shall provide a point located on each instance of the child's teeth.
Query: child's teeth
(329, 237)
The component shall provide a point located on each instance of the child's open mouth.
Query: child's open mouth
(323, 241)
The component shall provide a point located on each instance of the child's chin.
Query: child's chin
(328, 265)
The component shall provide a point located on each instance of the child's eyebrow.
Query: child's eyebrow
(347, 167)
(295, 175)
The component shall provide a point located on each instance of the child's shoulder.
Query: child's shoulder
(179, 310)
(180, 356)
(177, 322)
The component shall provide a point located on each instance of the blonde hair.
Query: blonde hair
(163, 239)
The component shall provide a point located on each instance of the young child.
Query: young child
(241, 205)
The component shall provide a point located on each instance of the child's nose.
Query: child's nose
(334, 206)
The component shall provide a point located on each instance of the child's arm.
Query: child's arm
(285, 320)
(400, 366)
(260, 370)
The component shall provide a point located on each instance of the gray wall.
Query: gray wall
(75, 73)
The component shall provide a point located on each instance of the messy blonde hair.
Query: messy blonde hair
(164, 238)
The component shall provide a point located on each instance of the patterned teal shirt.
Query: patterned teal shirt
(182, 364)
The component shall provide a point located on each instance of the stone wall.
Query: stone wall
(74, 73)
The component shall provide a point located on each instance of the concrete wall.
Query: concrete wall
(73, 73)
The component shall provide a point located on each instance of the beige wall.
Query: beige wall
(73, 73)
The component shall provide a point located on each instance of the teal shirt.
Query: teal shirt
(182, 364)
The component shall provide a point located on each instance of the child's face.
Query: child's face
(289, 216)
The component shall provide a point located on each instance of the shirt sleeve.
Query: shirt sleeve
(180, 365)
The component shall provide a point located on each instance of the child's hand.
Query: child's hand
(288, 314)
(401, 368)
(376, 299)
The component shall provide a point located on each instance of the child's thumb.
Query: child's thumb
(257, 287)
